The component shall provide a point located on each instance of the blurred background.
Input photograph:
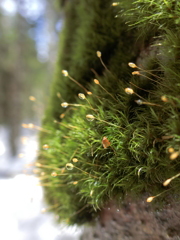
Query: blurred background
(29, 38)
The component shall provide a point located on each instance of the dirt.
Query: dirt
(136, 221)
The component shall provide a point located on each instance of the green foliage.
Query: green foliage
(82, 170)
(159, 13)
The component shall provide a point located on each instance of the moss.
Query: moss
(80, 173)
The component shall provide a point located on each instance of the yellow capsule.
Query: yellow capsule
(24, 140)
(139, 102)
(38, 164)
(170, 150)
(46, 146)
(64, 104)
(136, 73)
(90, 117)
(164, 99)
(35, 170)
(30, 125)
(89, 93)
(98, 54)
(132, 65)
(54, 174)
(43, 210)
(24, 125)
(96, 81)
(75, 160)
(150, 199)
(65, 73)
(81, 96)
(32, 98)
(167, 182)
(21, 155)
(76, 182)
(174, 155)
(62, 115)
(69, 166)
(129, 90)
(115, 4)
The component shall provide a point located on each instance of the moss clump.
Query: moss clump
(130, 145)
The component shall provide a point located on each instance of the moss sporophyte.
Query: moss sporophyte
(112, 125)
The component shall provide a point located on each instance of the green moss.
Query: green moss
(137, 161)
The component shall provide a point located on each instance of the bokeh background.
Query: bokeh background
(29, 39)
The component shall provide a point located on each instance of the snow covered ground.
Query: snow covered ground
(21, 199)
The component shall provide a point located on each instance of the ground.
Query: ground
(136, 220)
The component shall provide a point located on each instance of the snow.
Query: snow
(21, 200)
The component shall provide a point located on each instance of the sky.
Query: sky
(30, 9)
